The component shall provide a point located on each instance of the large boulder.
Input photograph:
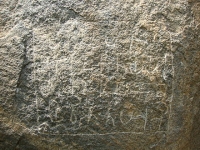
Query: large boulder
(99, 74)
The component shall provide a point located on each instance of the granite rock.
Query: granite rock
(99, 74)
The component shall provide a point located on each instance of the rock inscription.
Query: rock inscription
(87, 88)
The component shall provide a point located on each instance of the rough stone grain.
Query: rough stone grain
(99, 74)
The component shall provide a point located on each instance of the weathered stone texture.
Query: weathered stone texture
(100, 74)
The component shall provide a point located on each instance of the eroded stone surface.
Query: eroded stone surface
(100, 74)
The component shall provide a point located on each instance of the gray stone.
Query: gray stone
(99, 74)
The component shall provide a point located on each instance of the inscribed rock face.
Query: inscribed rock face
(99, 74)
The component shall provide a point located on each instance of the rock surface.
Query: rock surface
(99, 74)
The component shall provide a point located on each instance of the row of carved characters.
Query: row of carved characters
(98, 89)
(109, 114)
(120, 63)
(102, 77)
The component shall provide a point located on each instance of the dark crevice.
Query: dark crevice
(25, 62)
(18, 142)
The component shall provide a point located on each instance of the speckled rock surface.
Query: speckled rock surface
(99, 74)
